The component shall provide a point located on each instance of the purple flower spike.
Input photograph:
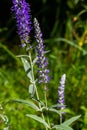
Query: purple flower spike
(61, 92)
(42, 61)
(23, 19)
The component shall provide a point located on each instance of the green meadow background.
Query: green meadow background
(64, 27)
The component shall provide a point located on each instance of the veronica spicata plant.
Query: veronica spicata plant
(23, 20)
(61, 98)
(22, 12)
(42, 61)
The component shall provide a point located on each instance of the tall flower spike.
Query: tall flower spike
(42, 61)
(61, 88)
(23, 19)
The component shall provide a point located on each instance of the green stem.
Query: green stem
(45, 95)
(60, 118)
(33, 76)
(34, 83)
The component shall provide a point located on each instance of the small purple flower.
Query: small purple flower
(23, 19)
(42, 61)
(61, 88)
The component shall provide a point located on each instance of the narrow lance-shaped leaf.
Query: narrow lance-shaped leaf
(68, 42)
(54, 110)
(27, 68)
(62, 127)
(71, 120)
(56, 105)
(28, 103)
(39, 119)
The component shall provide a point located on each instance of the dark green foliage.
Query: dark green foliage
(64, 26)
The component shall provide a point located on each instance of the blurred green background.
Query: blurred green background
(64, 27)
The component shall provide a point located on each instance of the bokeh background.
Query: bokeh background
(64, 27)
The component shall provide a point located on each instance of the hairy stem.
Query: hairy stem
(34, 83)
(60, 118)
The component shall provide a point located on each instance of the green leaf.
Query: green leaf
(27, 68)
(68, 42)
(53, 106)
(35, 60)
(54, 110)
(31, 90)
(51, 109)
(65, 125)
(62, 127)
(39, 119)
(71, 120)
(28, 103)
(56, 105)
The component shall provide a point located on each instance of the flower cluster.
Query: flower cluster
(42, 61)
(61, 88)
(23, 19)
